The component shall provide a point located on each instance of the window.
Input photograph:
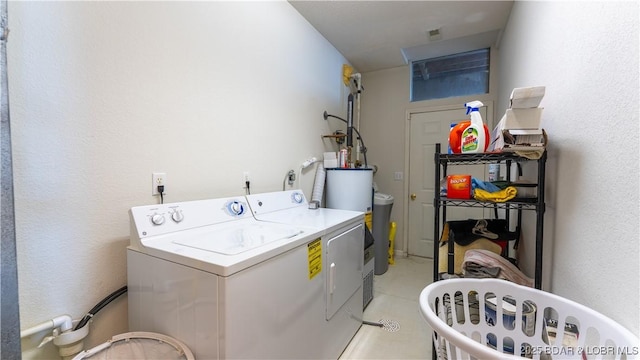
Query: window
(452, 75)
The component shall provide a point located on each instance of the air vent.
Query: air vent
(435, 35)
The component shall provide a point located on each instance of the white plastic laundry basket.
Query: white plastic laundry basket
(138, 345)
(498, 319)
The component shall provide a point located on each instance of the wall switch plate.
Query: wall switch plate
(158, 179)
(398, 176)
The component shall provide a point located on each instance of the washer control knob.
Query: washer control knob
(235, 208)
(157, 219)
(297, 197)
(177, 216)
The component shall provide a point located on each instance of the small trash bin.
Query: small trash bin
(382, 204)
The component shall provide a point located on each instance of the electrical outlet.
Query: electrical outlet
(158, 179)
(245, 179)
(291, 176)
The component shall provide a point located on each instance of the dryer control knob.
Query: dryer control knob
(297, 197)
(177, 216)
(157, 219)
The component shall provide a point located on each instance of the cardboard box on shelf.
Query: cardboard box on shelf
(519, 129)
(523, 119)
(509, 139)
(526, 97)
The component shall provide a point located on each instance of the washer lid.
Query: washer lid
(139, 345)
(238, 239)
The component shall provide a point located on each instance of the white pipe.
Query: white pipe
(64, 322)
(71, 343)
(308, 162)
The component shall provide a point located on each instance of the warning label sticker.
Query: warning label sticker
(314, 250)
(368, 220)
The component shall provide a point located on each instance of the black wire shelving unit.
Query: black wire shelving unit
(440, 203)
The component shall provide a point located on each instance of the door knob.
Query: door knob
(413, 197)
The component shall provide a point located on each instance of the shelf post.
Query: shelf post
(540, 209)
(436, 213)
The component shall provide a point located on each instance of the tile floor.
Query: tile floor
(395, 298)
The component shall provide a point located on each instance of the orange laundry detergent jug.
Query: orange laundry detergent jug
(455, 136)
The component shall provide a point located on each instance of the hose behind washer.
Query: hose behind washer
(104, 302)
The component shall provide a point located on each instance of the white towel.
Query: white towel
(488, 259)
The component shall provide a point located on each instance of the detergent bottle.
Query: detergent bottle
(473, 137)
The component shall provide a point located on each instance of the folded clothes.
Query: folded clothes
(484, 185)
(490, 261)
(498, 196)
(475, 270)
(459, 253)
(531, 154)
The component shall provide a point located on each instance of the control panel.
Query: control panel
(274, 201)
(158, 215)
(165, 218)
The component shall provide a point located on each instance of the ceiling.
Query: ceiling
(376, 35)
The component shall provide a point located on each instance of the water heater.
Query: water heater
(351, 189)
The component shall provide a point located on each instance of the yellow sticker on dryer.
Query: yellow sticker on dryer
(314, 250)
(368, 220)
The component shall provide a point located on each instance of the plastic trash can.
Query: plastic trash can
(382, 204)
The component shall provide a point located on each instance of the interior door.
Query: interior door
(427, 129)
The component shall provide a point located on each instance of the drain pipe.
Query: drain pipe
(64, 322)
(69, 342)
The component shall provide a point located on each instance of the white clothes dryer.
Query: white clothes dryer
(341, 262)
(229, 287)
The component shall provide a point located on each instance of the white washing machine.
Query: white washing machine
(341, 262)
(229, 287)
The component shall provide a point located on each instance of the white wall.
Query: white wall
(103, 94)
(383, 105)
(586, 54)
